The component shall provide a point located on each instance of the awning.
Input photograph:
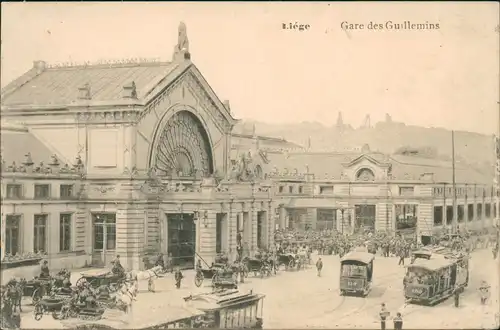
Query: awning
(322, 203)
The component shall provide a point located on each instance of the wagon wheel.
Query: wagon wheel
(198, 279)
(38, 312)
(215, 278)
(291, 264)
(80, 281)
(37, 295)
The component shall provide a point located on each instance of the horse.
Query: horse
(14, 293)
(149, 275)
(125, 296)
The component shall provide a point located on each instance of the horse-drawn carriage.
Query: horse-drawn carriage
(39, 287)
(290, 261)
(100, 278)
(260, 266)
(219, 272)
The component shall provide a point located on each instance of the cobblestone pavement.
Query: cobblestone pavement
(300, 299)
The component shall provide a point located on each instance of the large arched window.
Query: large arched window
(365, 174)
(183, 148)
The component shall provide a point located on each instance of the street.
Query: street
(300, 299)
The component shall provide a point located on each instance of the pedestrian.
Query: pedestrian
(319, 266)
(178, 278)
(456, 295)
(398, 322)
(384, 313)
(401, 257)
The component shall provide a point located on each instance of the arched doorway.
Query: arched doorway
(182, 148)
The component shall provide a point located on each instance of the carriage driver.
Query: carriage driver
(117, 266)
(44, 270)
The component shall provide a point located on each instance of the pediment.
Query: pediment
(191, 78)
(367, 160)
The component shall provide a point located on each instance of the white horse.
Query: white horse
(148, 275)
(125, 296)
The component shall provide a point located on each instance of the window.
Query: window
(460, 213)
(487, 210)
(104, 231)
(42, 191)
(66, 191)
(438, 215)
(281, 188)
(14, 191)
(65, 232)
(406, 191)
(479, 211)
(449, 214)
(301, 189)
(470, 212)
(290, 189)
(12, 235)
(40, 234)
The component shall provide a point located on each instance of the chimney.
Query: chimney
(84, 92)
(227, 106)
(129, 91)
(39, 66)
(427, 177)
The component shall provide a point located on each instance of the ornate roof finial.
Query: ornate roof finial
(54, 161)
(27, 160)
(181, 50)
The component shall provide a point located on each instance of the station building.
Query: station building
(136, 158)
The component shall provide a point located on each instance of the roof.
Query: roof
(363, 257)
(59, 85)
(431, 264)
(149, 317)
(212, 301)
(403, 167)
(17, 143)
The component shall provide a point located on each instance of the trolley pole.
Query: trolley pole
(454, 221)
(496, 180)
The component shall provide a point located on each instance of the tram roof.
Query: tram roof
(151, 317)
(363, 257)
(431, 264)
(222, 299)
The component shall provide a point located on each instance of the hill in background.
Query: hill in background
(387, 137)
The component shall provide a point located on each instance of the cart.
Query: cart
(100, 278)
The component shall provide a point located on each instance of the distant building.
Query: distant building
(368, 190)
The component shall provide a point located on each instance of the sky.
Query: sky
(440, 78)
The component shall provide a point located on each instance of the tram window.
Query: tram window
(223, 319)
(353, 270)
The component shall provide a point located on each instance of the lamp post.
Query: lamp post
(342, 210)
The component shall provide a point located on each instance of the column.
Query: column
(233, 219)
(130, 234)
(253, 226)
(466, 210)
(207, 235)
(282, 217)
(312, 214)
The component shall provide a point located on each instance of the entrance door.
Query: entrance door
(365, 217)
(104, 234)
(182, 239)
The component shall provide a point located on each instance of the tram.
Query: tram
(230, 309)
(356, 273)
(430, 281)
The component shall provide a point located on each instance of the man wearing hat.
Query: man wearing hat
(384, 313)
(398, 322)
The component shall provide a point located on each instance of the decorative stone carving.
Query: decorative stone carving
(181, 50)
(244, 169)
(130, 91)
(365, 174)
(104, 189)
(107, 116)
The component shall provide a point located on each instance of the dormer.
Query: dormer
(366, 168)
